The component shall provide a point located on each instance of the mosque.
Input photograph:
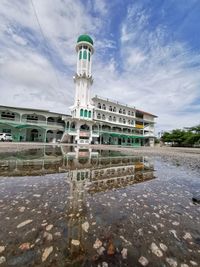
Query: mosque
(93, 120)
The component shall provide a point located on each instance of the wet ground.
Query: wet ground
(78, 207)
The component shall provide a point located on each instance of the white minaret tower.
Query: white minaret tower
(82, 107)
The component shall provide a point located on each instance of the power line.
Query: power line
(45, 39)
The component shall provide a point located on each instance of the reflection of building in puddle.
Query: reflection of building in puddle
(93, 174)
(46, 159)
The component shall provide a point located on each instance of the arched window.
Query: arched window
(129, 113)
(129, 121)
(80, 54)
(85, 113)
(98, 116)
(81, 112)
(132, 113)
(103, 117)
(124, 121)
(120, 120)
(120, 110)
(84, 54)
(89, 114)
(114, 109)
(114, 118)
(110, 108)
(104, 106)
(110, 118)
(124, 111)
(99, 105)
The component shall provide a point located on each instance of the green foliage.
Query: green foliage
(188, 137)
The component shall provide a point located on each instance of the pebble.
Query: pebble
(142, 260)
(2, 259)
(172, 262)
(101, 250)
(104, 264)
(155, 250)
(2, 248)
(193, 263)
(124, 253)
(21, 209)
(49, 227)
(25, 246)
(48, 236)
(111, 249)
(163, 246)
(24, 223)
(75, 242)
(187, 236)
(184, 265)
(85, 226)
(97, 244)
(46, 253)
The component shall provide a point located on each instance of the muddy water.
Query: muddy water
(78, 207)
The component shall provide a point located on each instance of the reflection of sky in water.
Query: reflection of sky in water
(88, 195)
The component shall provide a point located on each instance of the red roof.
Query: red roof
(146, 113)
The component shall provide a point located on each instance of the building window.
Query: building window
(129, 113)
(110, 108)
(99, 116)
(99, 105)
(110, 118)
(124, 121)
(84, 54)
(80, 54)
(120, 110)
(129, 121)
(104, 106)
(85, 113)
(114, 109)
(124, 111)
(132, 113)
(114, 118)
(120, 120)
(89, 114)
(103, 117)
(81, 112)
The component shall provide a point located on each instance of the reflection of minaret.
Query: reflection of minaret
(78, 179)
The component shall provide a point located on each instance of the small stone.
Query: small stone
(142, 260)
(184, 265)
(2, 248)
(2, 259)
(48, 236)
(187, 236)
(58, 234)
(163, 246)
(104, 264)
(24, 223)
(75, 242)
(175, 223)
(85, 226)
(172, 262)
(36, 195)
(21, 209)
(193, 263)
(46, 253)
(100, 250)
(25, 246)
(49, 227)
(111, 248)
(124, 253)
(97, 244)
(155, 250)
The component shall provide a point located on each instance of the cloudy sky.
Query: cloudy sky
(147, 54)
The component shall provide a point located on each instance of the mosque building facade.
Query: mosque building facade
(93, 120)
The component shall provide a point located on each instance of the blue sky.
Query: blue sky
(147, 54)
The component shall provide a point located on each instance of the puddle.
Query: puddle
(70, 206)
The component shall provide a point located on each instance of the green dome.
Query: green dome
(85, 38)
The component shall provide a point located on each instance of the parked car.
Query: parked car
(6, 137)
